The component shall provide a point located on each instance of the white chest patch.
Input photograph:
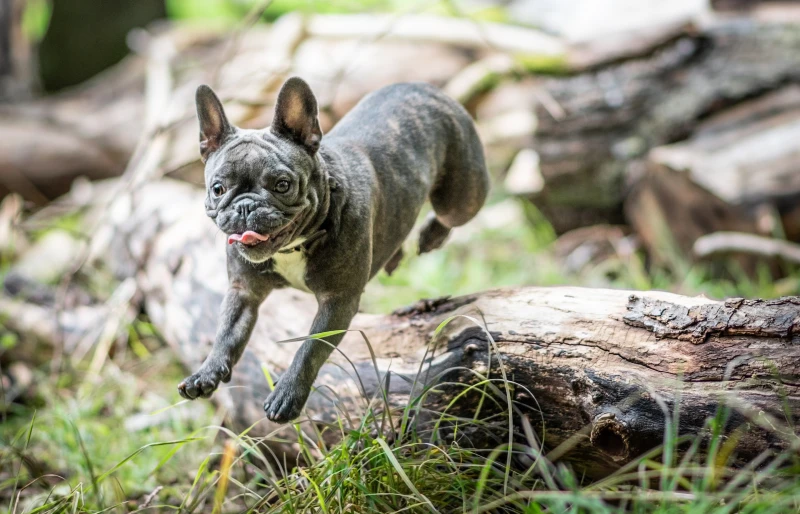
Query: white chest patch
(292, 267)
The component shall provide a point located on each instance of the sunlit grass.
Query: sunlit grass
(231, 11)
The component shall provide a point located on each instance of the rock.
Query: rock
(524, 176)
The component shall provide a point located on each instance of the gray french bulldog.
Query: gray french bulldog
(325, 215)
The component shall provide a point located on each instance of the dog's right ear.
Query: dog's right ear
(214, 125)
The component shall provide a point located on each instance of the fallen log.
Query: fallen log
(611, 116)
(597, 372)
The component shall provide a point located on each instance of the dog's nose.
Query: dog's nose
(245, 207)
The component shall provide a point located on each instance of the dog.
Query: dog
(325, 215)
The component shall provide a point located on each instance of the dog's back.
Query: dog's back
(418, 142)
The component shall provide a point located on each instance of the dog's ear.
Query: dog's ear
(214, 125)
(296, 114)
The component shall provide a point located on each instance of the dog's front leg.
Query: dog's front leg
(237, 319)
(292, 390)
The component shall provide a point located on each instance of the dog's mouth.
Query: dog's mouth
(248, 238)
(251, 238)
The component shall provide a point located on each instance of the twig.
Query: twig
(740, 242)
(438, 29)
(150, 497)
(233, 42)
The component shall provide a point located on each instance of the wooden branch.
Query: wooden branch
(451, 31)
(737, 242)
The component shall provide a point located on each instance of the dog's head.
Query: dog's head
(260, 183)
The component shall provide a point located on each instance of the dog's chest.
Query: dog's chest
(292, 267)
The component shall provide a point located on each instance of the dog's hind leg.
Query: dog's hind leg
(394, 261)
(459, 191)
(432, 234)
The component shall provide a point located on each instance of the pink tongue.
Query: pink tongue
(247, 238)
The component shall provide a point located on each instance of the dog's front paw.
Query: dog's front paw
(285, 402)
(204, 382)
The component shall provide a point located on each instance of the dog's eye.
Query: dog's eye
(218, 189)
(282, 186)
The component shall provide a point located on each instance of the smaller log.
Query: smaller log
(453, 31)
(737, 165)
(746, 154)
(669, 213)
(614, 114)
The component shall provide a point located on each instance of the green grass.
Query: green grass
(232, 11)
(512, 255)
(76, 456)
(35, 19)
(88, 437)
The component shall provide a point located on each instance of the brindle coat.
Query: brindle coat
(337, 210)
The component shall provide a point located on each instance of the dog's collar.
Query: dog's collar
(305, 243)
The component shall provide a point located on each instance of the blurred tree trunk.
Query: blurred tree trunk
(17, 63)
(87, 36)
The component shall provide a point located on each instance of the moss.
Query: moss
(539, 64)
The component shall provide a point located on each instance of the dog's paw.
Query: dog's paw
(204, 382)
(286, 402)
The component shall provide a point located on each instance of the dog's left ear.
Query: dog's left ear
(296, 115)
(214, 125)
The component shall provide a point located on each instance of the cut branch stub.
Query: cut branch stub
(611, 436)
